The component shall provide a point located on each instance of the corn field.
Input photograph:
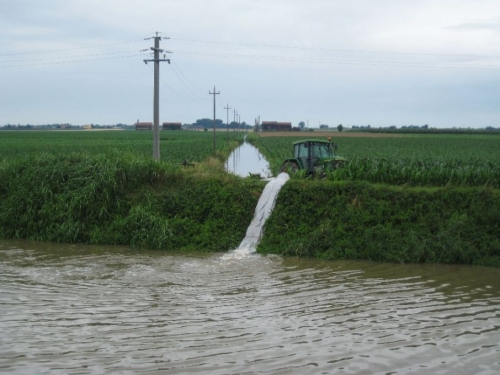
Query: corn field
(175, 146)
(417, 160)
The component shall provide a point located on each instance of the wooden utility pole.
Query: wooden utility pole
(156, 99)
(235, 114)
(214, 93)
(227, 123)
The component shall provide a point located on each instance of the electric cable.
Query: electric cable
(332, 61)
(332, 49)
(178, 69)
(170, 88)
(69, 57)
(70, 61)
(185, 85)
(73, 48)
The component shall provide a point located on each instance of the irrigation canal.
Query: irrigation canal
(247, 159)
(71, 309)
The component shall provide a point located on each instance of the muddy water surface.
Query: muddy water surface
(67, 309)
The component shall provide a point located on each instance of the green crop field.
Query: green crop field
(175, 146)
(104, 187)
(415, 160)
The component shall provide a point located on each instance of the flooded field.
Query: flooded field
(68, 309)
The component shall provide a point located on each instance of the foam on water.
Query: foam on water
(262, 211)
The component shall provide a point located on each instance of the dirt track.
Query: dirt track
(317, 134)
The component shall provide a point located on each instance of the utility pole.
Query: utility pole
(227, 123)
(257, 124)
(234, 120)
(156, 99)
(214, 93)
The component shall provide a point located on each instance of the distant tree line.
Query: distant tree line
(208, 123)
(200, 123)
(423, 129)
(62, 126)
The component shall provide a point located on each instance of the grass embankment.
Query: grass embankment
(357, 220)
(111, 192)
(116, 198)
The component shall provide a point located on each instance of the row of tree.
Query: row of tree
(340, 127)
(209, 123)
(61, 126)
(425, 129)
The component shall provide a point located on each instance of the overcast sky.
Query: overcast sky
(356, 62)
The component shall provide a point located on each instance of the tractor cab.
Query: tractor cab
(317, 149)
(313, 155)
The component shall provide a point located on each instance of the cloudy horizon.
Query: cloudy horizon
(323, 62)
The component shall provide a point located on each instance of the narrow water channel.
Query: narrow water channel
(247, 159)
(70, 309)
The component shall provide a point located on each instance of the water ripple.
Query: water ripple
(74, 310)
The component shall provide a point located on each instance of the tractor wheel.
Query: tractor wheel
(289, 167)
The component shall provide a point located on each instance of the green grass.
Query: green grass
(175, 146)
(356, 220)
(119, 198)
(435, 199)
(104, 188)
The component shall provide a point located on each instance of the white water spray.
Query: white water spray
(262, 211)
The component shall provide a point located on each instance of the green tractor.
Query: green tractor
(314, 156)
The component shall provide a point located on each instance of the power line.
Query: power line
(69, 57)
(333, 61)
(69, 61)
(331, 49)
(187, 80)
(174, 91)
(178, 72)
(73, 48)
(185, 85)
(261, 45)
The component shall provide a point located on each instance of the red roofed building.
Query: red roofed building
(143, 126)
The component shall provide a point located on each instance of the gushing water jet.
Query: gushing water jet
(264, 208)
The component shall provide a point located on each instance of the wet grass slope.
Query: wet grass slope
(356, 220)
(116, 198)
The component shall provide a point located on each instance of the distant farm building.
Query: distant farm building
(268, 126)
(86, 126)
(143, 126)
(172, 126)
